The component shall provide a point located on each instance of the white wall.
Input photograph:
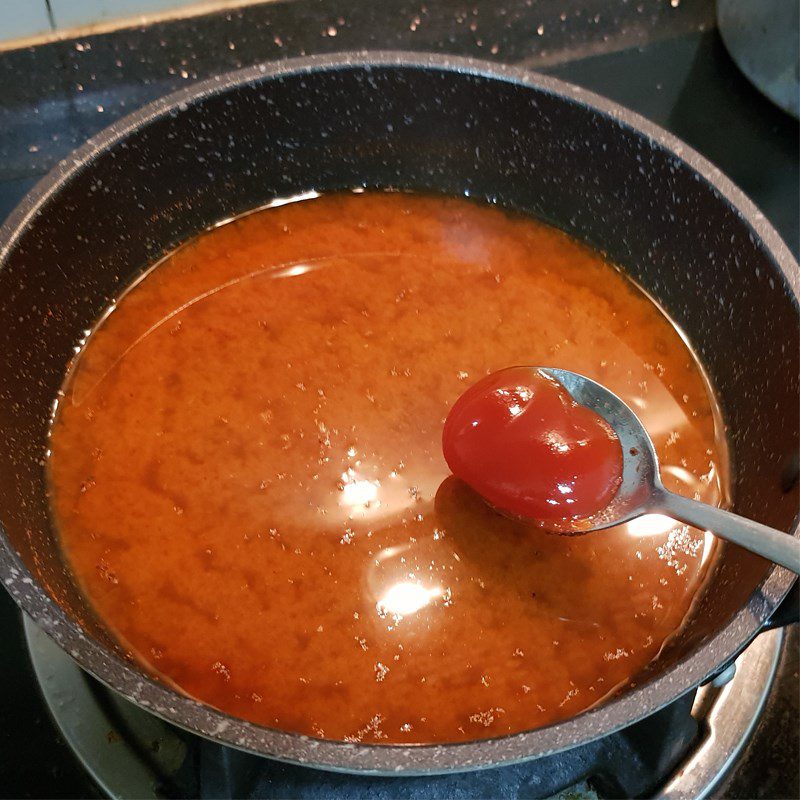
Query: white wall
(24, 18)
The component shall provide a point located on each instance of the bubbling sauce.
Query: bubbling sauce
(249, 485)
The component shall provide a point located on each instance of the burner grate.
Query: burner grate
(684, 748)
(629, 763)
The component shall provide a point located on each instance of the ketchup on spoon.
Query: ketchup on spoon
(519, 439)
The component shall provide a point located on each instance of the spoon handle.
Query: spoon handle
(768, 542)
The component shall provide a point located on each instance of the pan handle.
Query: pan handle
(788, 612)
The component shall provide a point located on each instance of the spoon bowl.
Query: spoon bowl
(641, 491)
(640, 473)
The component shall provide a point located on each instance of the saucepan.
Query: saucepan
(523, 141)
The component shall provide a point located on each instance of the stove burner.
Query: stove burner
(681, 751)
(630, 763)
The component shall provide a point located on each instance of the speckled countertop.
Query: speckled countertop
(663, 58)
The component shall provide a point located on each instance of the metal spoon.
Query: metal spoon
(641, 491)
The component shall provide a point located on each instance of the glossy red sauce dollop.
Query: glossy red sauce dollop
(519, 439)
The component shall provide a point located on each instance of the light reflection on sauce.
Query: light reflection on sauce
(406, 598)
(247, 473)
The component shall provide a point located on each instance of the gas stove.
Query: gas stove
(62, 734)
(686, 750)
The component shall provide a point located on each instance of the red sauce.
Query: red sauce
(248, 480)
(519, 439)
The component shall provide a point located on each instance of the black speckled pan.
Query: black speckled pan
(602, 173)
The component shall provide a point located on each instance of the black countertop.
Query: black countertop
(662, 58)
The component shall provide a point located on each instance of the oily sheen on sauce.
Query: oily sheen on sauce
(249, 485)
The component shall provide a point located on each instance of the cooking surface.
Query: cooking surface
(665, 62)
(262, 418)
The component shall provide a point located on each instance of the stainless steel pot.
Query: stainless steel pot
(602, 173)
